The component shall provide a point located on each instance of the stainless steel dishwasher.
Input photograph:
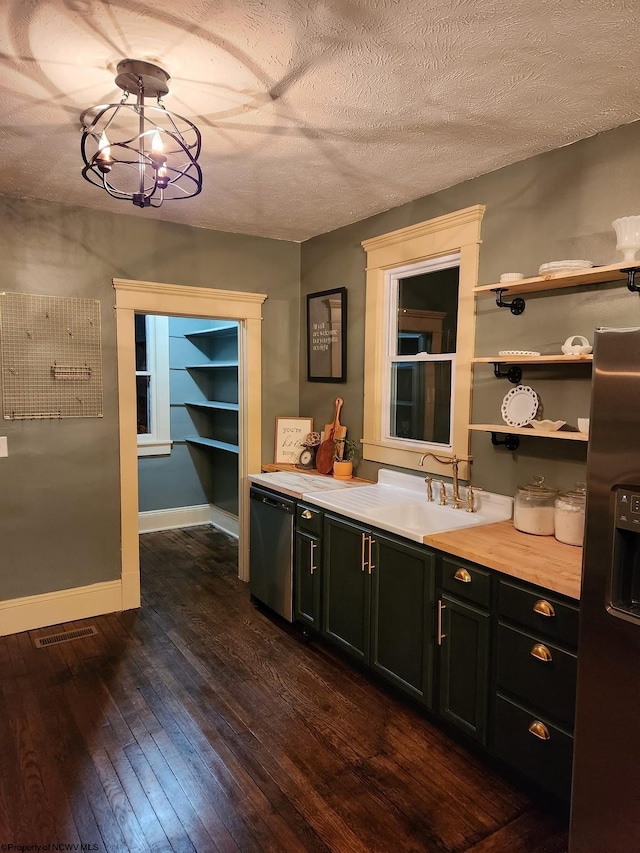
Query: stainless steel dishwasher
(271, 550)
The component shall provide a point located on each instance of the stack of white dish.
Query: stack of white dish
(563, 267)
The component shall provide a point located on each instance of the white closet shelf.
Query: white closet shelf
(212, 444)
(217, 331)
(213, 404)
(212, 365)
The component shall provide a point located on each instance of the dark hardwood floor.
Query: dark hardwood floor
(199, 723)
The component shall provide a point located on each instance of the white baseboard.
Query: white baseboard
(187, 516)
(225, 521)
(65, 605)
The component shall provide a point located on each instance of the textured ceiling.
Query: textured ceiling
(316, 114)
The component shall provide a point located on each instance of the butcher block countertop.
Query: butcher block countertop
(541, 560)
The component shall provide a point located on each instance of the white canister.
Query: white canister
(569, 515)
(533, 509)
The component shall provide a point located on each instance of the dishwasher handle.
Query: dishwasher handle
(272, 500)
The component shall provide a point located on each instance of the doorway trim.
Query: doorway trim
(175, 300)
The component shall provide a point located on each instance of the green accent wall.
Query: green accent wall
(59, 486)
(554, 206)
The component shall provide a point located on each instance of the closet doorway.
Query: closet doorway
(152, 298)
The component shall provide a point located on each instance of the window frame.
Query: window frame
(158, 441)
(453, 233)
(392, 279)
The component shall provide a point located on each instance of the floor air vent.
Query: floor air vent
(65, 636)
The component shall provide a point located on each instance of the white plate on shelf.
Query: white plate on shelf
(517, 352)
(555, 267)
(519, 406)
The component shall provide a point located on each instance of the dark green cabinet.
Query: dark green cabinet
(463, 638)
(307, 566)
(403, 581)
(307, 579)
(378, 603)
(346, 621)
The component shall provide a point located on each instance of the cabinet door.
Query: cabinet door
(306, 582)
(347, 587)
(464, 666)
(403, 579)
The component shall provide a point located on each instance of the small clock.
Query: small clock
(307, 458)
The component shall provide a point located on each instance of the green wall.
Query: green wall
(554, 206)
(59, 486)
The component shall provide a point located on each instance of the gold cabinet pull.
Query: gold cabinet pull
(539, 730)
(306, 513)
(541, 652)
(312, 567)
(441, 636)
(463, 576)
(544, 608)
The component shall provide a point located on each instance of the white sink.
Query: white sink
(398, 503)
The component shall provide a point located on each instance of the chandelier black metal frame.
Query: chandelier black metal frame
(139, 152)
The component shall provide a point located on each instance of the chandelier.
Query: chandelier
(138, 152)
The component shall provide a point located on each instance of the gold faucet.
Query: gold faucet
(454, 462)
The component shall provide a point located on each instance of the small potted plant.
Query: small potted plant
(345, 452)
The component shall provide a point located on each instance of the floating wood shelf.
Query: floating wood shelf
(212, 444)
(592, 275)
(533, 359)
(505, 429)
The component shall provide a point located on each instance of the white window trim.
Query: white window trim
(158, 441)
(457, 232)
(391, 279)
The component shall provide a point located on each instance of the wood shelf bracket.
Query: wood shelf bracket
(510, 442)
(516, 305)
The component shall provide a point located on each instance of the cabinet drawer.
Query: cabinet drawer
(539, 612)
(546, 684)
(546, 761)
(464, 580)
(308, 518)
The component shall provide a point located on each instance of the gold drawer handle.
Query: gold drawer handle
(544, 608)
(463, 576)
(307, 514)
(541, 652)
(539, 730)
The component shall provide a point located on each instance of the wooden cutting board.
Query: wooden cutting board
(324, 456)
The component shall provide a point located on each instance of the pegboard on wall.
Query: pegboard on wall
(51, 356)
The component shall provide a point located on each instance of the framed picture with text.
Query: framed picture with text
(327, 336)
(290, 437)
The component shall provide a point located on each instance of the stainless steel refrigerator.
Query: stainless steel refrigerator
(605, 807)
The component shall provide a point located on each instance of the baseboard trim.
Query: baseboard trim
(65, 605)
(169, 519)
(153, 521)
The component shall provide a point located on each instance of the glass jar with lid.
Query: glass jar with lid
(533, 510)
(569, 515)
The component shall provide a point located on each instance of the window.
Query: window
(422, 311)
(152, 384)
(419, 341)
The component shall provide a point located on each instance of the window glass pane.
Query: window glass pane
(427, 312)
(141, 342)
(143, 404)
(421, 401)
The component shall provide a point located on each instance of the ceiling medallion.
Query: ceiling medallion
(138, 152)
